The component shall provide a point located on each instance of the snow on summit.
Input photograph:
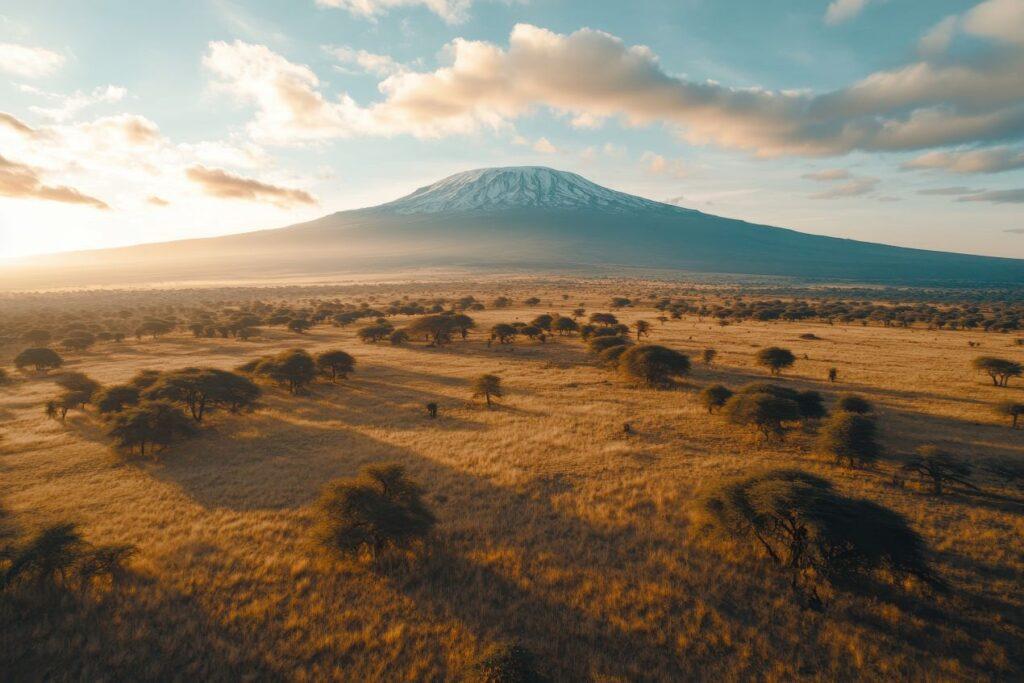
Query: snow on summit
(517, 187)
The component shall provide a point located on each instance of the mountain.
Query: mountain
(522, 219)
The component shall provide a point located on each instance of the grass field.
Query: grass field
(556, 530)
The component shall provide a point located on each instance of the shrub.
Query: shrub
(372, 334)
(610, 356)
(398, 337)
(775, 359)
(852, 403)
(432, 409)
(488, 386)
(40, 359)
(115, 398)
(708, 356)
(599, 344)
(151, 423)
(299, 325)
(763, 411)
(643, 328)
(850, 438)
(204, 389)
(507, 664)
(503, 333)
(810, 404)
(382, 508)
(714, 397)
(603, 319)
(653, 364)
(294, 368)
(806, 526)
(1011, 409)
(543, 322)
(999, 369)
(936, 467)
(335, 364)
(564, 326)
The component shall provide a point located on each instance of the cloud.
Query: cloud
(949, 191)
(68, 106)
(854, 188)
(16, 124)
(452, 11)
(544, 146)
(1015, 231)
(23, 182)
(939, 37)
(591, 76)
(996, 197)
(656, 164)
(157, 201)
(993, 160)
(29, 62)
(219, 183)
(378, 65)
(999, 19)
(839, 11)
(828, 175)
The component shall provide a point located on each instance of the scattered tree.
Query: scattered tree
(1013, 410)
(833, 373)
(380, 509)
(294, 368)
(299, 325)
(488, 386)
(40, 359)
(775, 359)
(653, 364)
(204, 389)
(151, 423)
(715, 397)
(764, 411)
(643, 328)
(999, 369)
(851, 439)
(708, 356)
(936, 467)
(115, 398)
(432, 410)
(852, 403)
(335, 364)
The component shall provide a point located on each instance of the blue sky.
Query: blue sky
(885, 120)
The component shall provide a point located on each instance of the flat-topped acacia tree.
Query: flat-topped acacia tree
(40, 359)
(654, 365)
(999, 369)
(775, 358)
(336, 364)
(204, 389)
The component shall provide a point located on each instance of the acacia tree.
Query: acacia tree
(564, 326)
(78, 382)
(850, 438)
(938, 468)
(999, 369)
(653, 364)
(764, 411)
(299, 325)
(708, 356)
(715, 397)
(1011, 409)
(152, 423)
(294, 367)
(643, 329)
(804, 525)
(503, 333)
(488, 386)
(380, 509)
(205, 389)
(115, 398)
(603, 319)
(852, 403)
(335, 364)
(40, 359)
(775, 359)
(438, 329)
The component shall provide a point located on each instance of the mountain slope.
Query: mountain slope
(523, 218)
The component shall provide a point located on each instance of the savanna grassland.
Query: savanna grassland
(557, 529)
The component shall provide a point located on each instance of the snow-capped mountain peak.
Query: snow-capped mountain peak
(515, 187)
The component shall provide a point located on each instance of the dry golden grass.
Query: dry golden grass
(556, 530)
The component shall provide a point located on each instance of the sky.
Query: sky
(128, 121)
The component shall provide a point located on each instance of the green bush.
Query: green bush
(851, 439)
(654, 365)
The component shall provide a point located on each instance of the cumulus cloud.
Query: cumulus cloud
(996, 197)
(21, 181)
(839, 11)
(992, 160)
(657, 164)
(591, 76)
(544, 146)
(828, 175)
(29, 62)
(17, 125)
(219, 183)
(157, 201)
(854, 188)
(452, 11)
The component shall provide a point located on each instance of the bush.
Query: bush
(204, 389)
(507, 664)
(810, 404)
(775, 359)
(372, 334)
(335, 364)
(151, 423)
(806, 526)
(299, 325)
(708, 356)
(488, 386)
(41, 359)
(610, 356)
(599, 344)
(850, 438)
(381, 509)
(503, 333)
(715, 396)
(398, 337)
(564, 326)
(653, 364)
(936, 468)
(115, 398)
(764, 411)
(852, 403)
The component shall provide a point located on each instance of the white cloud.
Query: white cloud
(219, 183)
(828, 174)
(544, 146)
(839, 11)
(452, 11)
(996, 197)
(66, 107)
(999, 19)
(938, 37)
(378, 65)
(992, 160)
(656, 164)
(29, 62)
